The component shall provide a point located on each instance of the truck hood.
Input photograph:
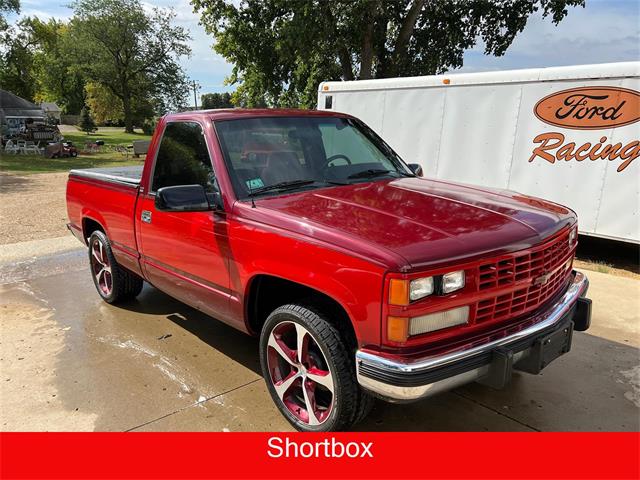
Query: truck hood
(412, 223)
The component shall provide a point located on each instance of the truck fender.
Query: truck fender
(90, 214)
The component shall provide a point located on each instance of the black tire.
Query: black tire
(123, 284)
(349, 403)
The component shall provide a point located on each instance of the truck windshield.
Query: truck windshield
(273, 155)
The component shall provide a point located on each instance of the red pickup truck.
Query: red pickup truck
(360, 278)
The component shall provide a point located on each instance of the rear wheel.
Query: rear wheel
(309, 372)
(114, 283)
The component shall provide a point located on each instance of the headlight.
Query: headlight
(452, 281)
(402, 292)
(420, 288)
(573, 235)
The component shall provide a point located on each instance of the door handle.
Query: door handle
(145, 216)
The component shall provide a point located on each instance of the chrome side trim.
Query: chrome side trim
(544, 320)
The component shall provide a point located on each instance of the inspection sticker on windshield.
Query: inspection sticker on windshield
(254, 183)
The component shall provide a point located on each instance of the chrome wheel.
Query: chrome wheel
(300, 373)
(101, 267)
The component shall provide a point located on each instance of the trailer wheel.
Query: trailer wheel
(308, 371)
(113, 283)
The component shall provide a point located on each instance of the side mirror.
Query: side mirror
(416, 168)
(182, 198)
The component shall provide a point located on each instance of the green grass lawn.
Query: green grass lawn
(110, 135)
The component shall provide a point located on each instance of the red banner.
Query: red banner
(340, 455)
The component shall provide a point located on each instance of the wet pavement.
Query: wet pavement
(69, 361)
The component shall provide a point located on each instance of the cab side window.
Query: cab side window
(183, 158)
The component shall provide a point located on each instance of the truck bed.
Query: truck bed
(123, 175)
(107, 197)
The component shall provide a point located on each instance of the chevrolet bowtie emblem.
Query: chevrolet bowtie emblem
(542, 279)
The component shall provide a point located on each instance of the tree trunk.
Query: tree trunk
(128, 114)
(367, 51)
(366, 55)
(345, 63)
(404, 35)
(343, 53)
(381, 49)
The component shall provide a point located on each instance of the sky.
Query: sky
(604, 31)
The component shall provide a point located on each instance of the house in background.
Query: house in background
(51, 110)
(16, 112)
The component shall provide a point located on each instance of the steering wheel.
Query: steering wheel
(336, 157)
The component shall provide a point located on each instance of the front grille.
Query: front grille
(514, 276)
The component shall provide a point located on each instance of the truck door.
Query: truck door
(183, 253)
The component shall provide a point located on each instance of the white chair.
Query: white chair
(30, 148)
(11, 147)
(21, 144)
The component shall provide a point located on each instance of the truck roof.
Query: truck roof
(236, 113)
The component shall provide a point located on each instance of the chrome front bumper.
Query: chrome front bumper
(407, 381)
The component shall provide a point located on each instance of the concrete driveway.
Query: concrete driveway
(69, 361)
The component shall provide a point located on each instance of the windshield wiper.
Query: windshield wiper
(281, 186)
(289, 185)
(376, 172)
(369, 173)
(335, 182)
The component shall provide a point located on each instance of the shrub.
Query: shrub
(87, 124)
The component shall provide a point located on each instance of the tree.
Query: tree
(7, 6)
(36, 66)
(282, 49)
(104, 105)
(16, 55)
(87, 124)
(132, 52)
(17, 69)
(58, 79)
(216, 100)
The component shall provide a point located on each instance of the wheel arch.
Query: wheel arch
(90, 224)
(266, 292)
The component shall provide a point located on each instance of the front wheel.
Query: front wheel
(114, 283)
(309, 372)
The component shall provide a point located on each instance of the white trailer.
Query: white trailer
(568, 134)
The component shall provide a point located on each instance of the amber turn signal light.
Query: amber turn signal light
(397, 329)
(398, 292)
